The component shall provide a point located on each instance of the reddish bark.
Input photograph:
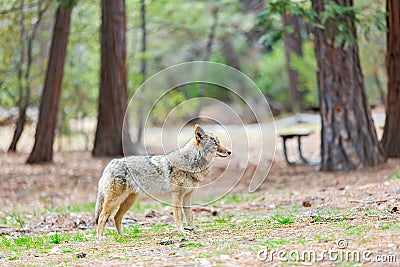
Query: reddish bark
(391, 134)
(113, 97)
(348, 136)
(43, 148)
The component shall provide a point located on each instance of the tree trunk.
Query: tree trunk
(113, 97)
(253, 36)
(143, 69)
(391, 133)
(292, 42)
(22, 101)
(348, 136)
(229, 53)
(25, 90)
(43, 148)
(19, 126)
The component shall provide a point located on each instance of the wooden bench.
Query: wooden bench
(298, 135)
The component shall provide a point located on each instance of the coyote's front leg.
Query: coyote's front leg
(188, 212)
(177, 202)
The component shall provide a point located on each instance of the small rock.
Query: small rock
(164, 218)
(150, 214)
(166, 242)
(306, 203)
(214, 212)
(81, 255)
(394, 210)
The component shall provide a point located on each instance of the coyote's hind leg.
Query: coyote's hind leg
(123, 208)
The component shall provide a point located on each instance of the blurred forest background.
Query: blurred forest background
(270, 41)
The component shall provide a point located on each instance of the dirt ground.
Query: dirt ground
(295, 209)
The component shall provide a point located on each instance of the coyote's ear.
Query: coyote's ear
(198, 133)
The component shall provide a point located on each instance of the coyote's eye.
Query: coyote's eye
(214, 140)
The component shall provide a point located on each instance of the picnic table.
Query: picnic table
(298, 135)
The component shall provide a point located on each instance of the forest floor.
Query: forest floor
(299, 216)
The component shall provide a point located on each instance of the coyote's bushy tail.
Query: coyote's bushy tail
(99, 206)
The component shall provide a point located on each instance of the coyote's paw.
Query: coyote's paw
(180, 229)
(100, 239)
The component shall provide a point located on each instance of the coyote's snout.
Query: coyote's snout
(176, 174)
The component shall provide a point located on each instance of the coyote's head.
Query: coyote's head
(209, 142)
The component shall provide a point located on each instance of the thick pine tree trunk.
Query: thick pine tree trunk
(113, 97)
(391, 134)
(348, 136)
(292, 42)
(43, 148)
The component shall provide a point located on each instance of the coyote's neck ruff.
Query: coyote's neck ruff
(192, 158)
(176, 174)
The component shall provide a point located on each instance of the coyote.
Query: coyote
(175, 175)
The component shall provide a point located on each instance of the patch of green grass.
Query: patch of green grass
(191, 245)
(236, 198)
(283, 219)
(365, 240)
(14, 219)
(226, 245)
(209, 254)
(390, 226)
(232, 198)
(85, 207)
(325, 237)
(41, 243)
(134, 231)
(358, 230)
(4, 220)
(138, 207)
(122, 238)
(374, 212)
(301, 241)
(224, 219)
(395, 176)
(157, 228)
(56, 238)
(275, 243)
(330, 219)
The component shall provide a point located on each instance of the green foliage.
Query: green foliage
(358, 231)
(67, 3)
(396, 175)
(271, 77)
(282, 219)
(335, 14)
(390, 226)
(56, 239)
(306, 67)
(86, 207)
(178, 32)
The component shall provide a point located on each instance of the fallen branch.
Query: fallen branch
(368, 201)
(211, 210)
